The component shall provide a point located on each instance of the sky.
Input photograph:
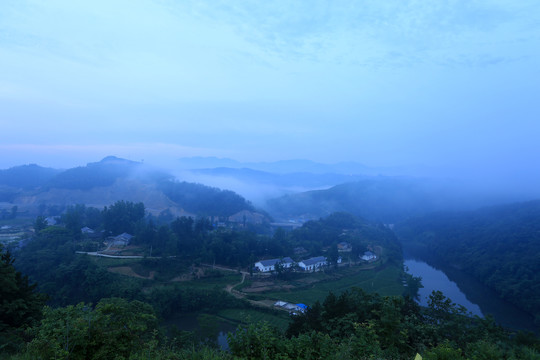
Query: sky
(451, 85)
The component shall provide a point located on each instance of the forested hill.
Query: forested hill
(382, 199)
(36, 190)
(27, 176)
(498, 245)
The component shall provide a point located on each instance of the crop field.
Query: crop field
(384, 281)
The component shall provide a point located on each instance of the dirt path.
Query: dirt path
(240, 295)
(224, 268)
(229, 288)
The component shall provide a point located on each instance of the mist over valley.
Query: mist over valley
(269, 180)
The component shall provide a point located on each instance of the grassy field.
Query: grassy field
(213, 282)
(384, 281)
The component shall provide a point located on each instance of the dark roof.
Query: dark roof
(314, 260)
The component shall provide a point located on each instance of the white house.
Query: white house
(313, 264)
(270, 265)
(368, 256)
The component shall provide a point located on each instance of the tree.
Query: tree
(40, 224)
(20, 305)
(333, 255)
(115, 329)
(122, 216)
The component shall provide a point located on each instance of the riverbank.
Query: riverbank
(463, 289)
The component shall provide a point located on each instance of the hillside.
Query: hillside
(48, 191)
(499, 245)
(383, 199)
(26, 176)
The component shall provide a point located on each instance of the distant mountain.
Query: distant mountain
(109, 180)
(105, 173)
(27, 176)
(283, 180)
(498, 245)
(383, 199)
(260, 181)
(285, 166)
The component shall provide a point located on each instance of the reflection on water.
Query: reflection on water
(432, 280)
(464, 290)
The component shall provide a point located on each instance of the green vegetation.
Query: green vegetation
(39, 182)
(26, 177)
(276, 318)
(205, 200)
(348, 324)
(20, 306)
(500, 246)
(384, 281)
(381, 199)
(357, 325)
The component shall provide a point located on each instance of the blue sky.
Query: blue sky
(452, 85)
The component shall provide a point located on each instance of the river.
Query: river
(463, 289)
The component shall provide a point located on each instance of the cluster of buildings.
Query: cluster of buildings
(308, 265)
(311, 264)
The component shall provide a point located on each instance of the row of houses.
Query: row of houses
(311, 264)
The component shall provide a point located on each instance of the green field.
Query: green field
(212, 282)
(384, 281)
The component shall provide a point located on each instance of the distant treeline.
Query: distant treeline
(500, 246)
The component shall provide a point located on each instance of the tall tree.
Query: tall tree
(20, 304)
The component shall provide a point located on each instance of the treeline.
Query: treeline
(204, 200)
(500, 246)
(199, 240)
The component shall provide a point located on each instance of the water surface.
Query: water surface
(464, 290)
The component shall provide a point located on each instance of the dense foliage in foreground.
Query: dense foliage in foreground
(353, 325)
(500, 246)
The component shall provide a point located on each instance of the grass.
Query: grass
(384, 281)
(110, 262)
(213, 282)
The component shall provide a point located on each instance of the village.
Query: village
(308, 265)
